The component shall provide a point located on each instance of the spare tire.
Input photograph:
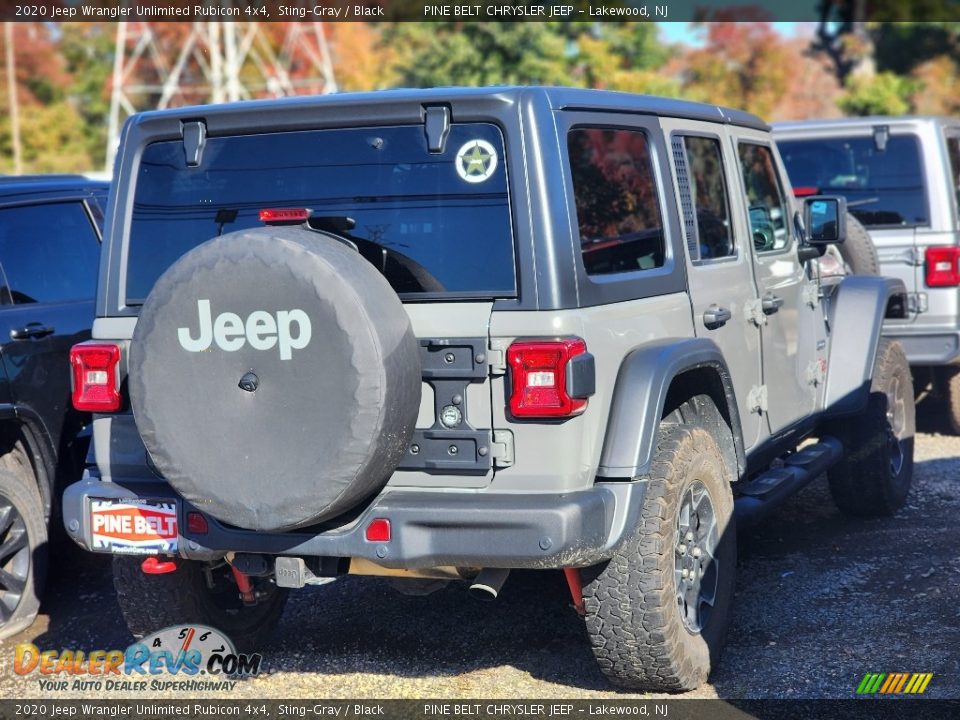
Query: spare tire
(858, 250)
(274, 377)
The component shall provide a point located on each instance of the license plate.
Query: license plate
(139, 527)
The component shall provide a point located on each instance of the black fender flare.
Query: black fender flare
(22, 423)
(857, 308)
(640, 396)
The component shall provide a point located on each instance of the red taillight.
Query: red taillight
(378, 530)
(281, 216)
(805, 191)
(943, 266)
(95, 386)
(538, 371)
(197, 524)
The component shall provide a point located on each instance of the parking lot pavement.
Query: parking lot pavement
(821, 600)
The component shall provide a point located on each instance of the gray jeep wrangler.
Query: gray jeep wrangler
(901, 179)
(448, 333)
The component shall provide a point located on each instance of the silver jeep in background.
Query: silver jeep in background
(901, 179)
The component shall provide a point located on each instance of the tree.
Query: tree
(51, 130)
(741, 64)
(477, 54)
(88, 49)
(616, 56)
(882, 94)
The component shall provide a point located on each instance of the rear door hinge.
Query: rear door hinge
(436, 126)
(757, 399)
(917, 302)
(194, 135)
(753, 312)
(817, 372)
(811, 294)
(497, 357)
(501, 449)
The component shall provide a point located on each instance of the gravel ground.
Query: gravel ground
(821, 600)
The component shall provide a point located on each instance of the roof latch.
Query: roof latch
(194, 140)
(436, 126)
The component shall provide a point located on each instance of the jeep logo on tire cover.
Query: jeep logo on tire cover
(262, 330)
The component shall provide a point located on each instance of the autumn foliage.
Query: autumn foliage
(64, 71)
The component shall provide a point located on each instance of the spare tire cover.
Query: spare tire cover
(274, 377)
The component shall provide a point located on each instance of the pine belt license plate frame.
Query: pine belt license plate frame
(133, 526)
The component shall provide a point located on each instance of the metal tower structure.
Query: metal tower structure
(159, 65)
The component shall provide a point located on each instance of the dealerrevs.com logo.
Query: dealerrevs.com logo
(181, 658)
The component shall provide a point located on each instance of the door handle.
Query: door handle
(32, 330)
(715, 316)
(771, 303)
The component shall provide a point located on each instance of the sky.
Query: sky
(678, 32)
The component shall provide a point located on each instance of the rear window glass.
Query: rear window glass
(434, 224)
(616, 196)
(882, 187)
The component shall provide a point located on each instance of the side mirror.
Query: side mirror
(825, 219)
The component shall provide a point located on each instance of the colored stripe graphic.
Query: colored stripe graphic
(903, 681)
(894, 683)
(870, 683)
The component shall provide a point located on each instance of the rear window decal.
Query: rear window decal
(476, 161)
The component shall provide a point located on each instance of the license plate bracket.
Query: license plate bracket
(133, 526)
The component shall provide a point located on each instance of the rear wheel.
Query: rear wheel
(196, 592)
(657, 612)
(875, 474)
(23, 550)
(951, 398)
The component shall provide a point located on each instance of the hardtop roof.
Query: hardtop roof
(861, 123)
(558, 98)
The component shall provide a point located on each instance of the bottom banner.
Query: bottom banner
(675, 709)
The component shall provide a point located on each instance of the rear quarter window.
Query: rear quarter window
(615, 191)
(49, 253)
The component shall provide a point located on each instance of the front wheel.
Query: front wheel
(201, 593)
(875, 474)
(657, 612)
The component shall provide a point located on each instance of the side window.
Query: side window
(615, 191)
(953, 152)
(49, 252)
(769, 211)
(708, 193)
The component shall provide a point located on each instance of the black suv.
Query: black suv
(49, 254)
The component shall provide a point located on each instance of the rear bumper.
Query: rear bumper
(428, 529)
(933, 347)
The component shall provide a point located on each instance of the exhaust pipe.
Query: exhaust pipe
(486, 586)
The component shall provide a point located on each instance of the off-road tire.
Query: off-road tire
(951, 398)
(858, 250)
(874, 477)
(633, 617)
(153, 602)
(23, 547)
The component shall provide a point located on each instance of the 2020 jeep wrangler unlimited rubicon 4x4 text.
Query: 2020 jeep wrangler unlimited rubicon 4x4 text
(448, 333)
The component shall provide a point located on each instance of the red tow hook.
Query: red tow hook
(155, 566)
(244, 585)
(576, 589)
